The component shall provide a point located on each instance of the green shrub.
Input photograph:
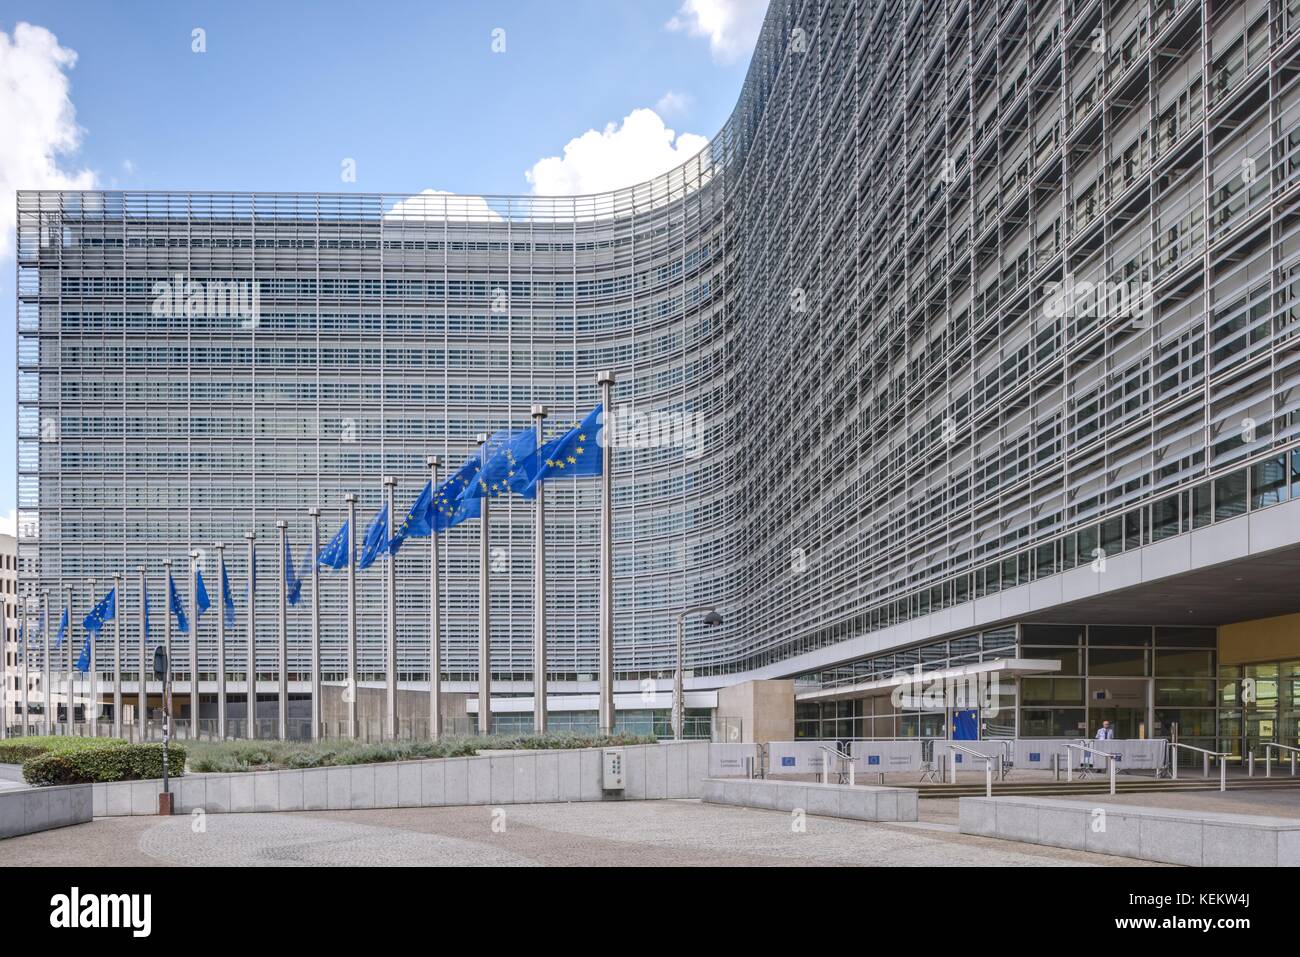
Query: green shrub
(18, 750)
(233, 756)
(101, 762)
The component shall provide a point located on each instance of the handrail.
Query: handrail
(1268, 758)
(1205, 762)
(1111, 760)
(843, 757)
(988, 766)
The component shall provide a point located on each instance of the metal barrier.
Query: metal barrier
(1069, 765)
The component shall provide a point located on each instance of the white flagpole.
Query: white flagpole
(539, 588)
(194, 644)
(23, 648)
(117, 656)
(315, 624)
(390, 579)
(250, 664)
(435, 652)
(167, 643)
(92, 716)
(47, 696)
(484, 607)
(606, 717)
(221, 640)
(282, 672)
(142, 689)
(352, 691)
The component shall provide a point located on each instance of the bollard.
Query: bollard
(1268, 762)
(1223, 774)
(1069, 765)
(1207, 764)
(1252, 763)
(1110, 762)
(988, 778)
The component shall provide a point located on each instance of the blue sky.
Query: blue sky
(413, 92)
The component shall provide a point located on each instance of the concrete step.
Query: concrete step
(1102, 786)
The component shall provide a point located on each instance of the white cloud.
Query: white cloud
(9, 523)
(128, 166)
(437, 204)
(673, 103)
(621, 155)
(732, 26)
(38, 120)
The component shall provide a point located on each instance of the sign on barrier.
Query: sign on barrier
(887, 756)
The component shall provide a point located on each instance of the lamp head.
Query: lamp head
(713, 618)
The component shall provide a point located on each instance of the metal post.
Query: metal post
(250, 664)
(679, 694)
(1069, 765)
(282, 672)
(1205, 758)
(1252, 762)
(351, 691)
(435, 629)
(221, 640)
(67, 597)
(141, 688)
(167, 643)
(194, 644)
(47, 693)
(953, 769)
(606, 718)
(117, 656)
(1223, 774)
(1110, 764)
(24, 649)
(390, 616)
(484, 608)
(988, 778)
(539, 588)
(92, 715)
(314, 512)
(1268, 762)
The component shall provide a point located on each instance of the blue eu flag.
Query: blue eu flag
(376, 539)
(177, 606)
(509, 461)
(449, 506)
(105, 609)
(292, 581)
(576, 453)
(335, 554)
(227, 599)
(63, 628)
(83, 659)
(201, 601)
(417, 521)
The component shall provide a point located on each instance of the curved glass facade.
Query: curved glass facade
(955, 285)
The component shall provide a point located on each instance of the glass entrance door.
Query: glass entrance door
(1124, 702)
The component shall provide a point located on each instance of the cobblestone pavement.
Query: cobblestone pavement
(642, 833)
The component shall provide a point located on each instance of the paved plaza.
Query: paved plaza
(642, 834)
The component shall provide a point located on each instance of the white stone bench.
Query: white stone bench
(856, 802)
(1168, 835)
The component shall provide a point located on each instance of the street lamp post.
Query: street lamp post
(711, 617)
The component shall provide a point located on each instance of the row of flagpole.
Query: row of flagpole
(439, 504)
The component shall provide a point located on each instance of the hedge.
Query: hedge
(97, 763)
(18, 750)
(236, 756)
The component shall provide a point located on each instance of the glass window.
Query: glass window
(1164, 518)
(1117, 661)
(1185, 692)
(1188, 637)
(1230, 495)
(1268, 482)
(1051, 723)
(1051, 635)
(1127, 635)
(1201, 505)
(1051, 691)
(1068, 657)
(1184, 664)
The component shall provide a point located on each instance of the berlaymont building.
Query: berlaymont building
(970, 344)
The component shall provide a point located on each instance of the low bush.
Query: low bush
(101, 762)
(18, 750)
(233, 756)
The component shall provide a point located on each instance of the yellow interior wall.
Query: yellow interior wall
(1264, 639)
